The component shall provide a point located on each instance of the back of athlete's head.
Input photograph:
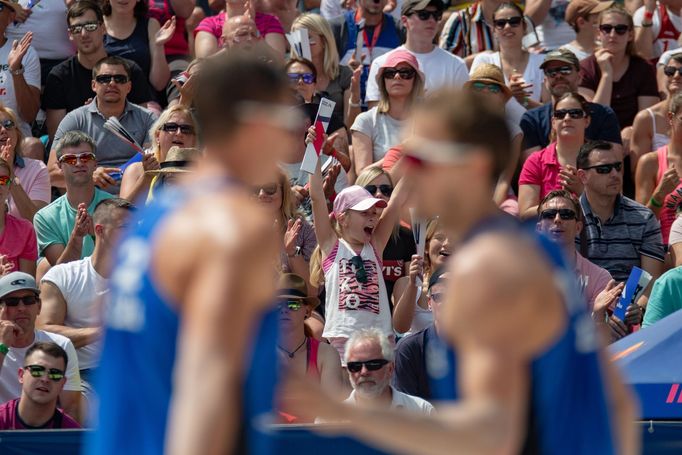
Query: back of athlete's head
(105, 209)
(471, 119)
(228, 81)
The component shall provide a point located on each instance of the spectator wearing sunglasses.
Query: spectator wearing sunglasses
(299, 351)
(111, 82)
(176, 126)
(370, 361)
(18, 245)
(657, 27)
(651, 129)
(64, 228)
(30, 189)
(401, 84)
(400, 247)
(521, 68)
(659, 185)
(554, 167)
(69, 84)
(583, 16)
(438, 68)
(73, 295)
(561, 68)
(412, 311)
(559, 217)
(615, 75)
(487, 80)
(42, 378)
(19, 307)
(619, 233)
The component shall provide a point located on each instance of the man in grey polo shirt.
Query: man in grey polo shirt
(111, 84)
(619, 233)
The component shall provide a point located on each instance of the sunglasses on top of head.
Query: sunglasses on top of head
(512, 21)
(560, 114)
(386, 190)
(404, 73)
(606, 168)
(424, 15)
(564, 214)
(307, 78)
(371, 365)
(621, 29)
(38, 371)
(73, 159)
(107, 78)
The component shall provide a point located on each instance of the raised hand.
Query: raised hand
(18, 51)
(291, 235)
(165, 33)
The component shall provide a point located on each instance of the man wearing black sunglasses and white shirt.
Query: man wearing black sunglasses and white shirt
(42, 379)
(19, 307)
(619, 233)
(442, 69)
(111, 83)
(562, 76)
(370, 361)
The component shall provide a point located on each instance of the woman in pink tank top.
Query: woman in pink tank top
(659, 186)
(298, 350)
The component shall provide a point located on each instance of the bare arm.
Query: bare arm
(27, 266)
(53, 313)
(326, 237)
(537, 10)
(404, 297)
(330, 372)
(134, 182)
(505, 180)
(645, 180)
(362, 150)
(159, 73)
(277, 42)
(646, 101)
(642, 135)
(529, 199)
(644, 42)
(390, 217)
(53, 118)
(655, 268)
(604, 90)
(205, 44)
(27, 207)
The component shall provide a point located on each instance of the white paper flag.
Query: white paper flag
(313, 150)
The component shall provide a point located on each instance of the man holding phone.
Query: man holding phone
(111, 84)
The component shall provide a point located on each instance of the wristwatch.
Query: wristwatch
(297, 252)
(18, 72)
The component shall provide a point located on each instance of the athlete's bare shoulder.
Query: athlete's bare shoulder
(502, 293)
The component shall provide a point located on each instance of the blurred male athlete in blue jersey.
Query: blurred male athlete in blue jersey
(190, 320)
(531, 377)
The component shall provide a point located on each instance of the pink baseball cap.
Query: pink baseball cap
(398, 56)
(355, 198)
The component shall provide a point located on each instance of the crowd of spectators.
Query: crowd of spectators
(96, 115)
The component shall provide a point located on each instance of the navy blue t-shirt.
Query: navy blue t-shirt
(537, 124)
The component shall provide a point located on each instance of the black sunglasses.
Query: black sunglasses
(371, 365)
(107, 78)
(15, 301)
(563, 70)
(606, 168)
(621, 29)
(425, 15)
(360, 271)
(671, 70)
(269, 190)
(386, 190)
(564, 214)
(560, 114)
(512, 21)
(38, 371)
(405, 73)
(78, 28)
(172, 127)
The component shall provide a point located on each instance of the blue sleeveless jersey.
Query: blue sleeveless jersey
(568, 410)
(134, 379)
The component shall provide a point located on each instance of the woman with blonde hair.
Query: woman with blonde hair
(333, 80)
(30, 189)
(175, 126)
(401, 84)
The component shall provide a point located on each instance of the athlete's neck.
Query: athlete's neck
(76, 195)
(464, 220)
(602, 205)
(33, 413)
(419, 45)
(88, 60)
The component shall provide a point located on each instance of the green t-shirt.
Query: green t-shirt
(54, 223)
(666, 297)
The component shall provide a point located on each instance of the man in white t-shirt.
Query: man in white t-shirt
(657, 27)
(19, 307)
(19, 70)
(420, 18)
(370, 360)
(72, 293)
